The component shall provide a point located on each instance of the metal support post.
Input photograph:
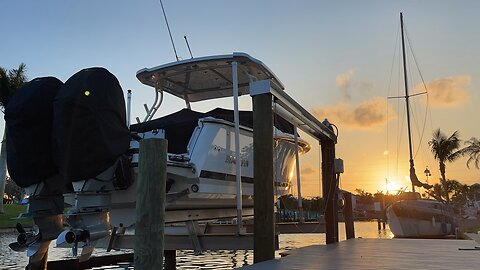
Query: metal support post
(129, 107)
(301, 216)
(238, 162)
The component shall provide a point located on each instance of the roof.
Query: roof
(208, 77)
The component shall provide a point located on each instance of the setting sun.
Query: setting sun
(392, 186)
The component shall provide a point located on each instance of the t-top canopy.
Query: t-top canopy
(208, 77)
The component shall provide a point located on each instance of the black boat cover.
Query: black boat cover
(89, 125)
(179, 126)
(28, 118)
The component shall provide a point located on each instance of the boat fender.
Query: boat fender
(433, 221)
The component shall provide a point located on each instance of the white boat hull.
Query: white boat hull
(201, 184)
(419, 219)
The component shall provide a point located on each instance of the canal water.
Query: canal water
(187, 260)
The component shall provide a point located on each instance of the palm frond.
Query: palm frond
(10, 82)
(454, 156)
(473, 150)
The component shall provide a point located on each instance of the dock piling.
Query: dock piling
(264, 220)
(170, 259)
(150, 208)
(329, 187)
(348, 214)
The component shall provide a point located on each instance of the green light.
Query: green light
(87, 93)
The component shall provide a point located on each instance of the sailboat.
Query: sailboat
(412, 216)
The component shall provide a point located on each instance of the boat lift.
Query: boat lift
(234, 75)
(238, 74)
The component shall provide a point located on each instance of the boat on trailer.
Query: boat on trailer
(95, 151)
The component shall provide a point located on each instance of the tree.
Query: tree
(12, 190)
(445, 149)
(10, 82)
(363, 196)
(437, 192)
(459, 195)
(473, 150)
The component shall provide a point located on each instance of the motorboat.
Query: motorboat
(201, 166)
(90, 158)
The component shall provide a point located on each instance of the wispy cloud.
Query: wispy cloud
(369, 115)
(448, 91)
(307, 169)
(343, 82)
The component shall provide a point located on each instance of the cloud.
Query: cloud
(343, 82)
(307, 169)
(368, 115)
(448, 91)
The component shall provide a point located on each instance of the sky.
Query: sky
(338, 59)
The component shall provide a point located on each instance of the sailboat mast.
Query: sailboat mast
(407, 96)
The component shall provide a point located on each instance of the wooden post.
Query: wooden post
(348, 213)
(170, 259)
(263, 194)
(150, 208)
(329, 190)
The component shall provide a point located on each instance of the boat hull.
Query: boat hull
(419, 219)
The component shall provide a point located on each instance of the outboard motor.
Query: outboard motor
(91, 137)
(30, 161)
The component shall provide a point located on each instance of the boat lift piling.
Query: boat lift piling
(348, 215)
(264, 220)
(150, 205)
(330, 193)
(263, 92)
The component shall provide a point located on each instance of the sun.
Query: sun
(392, 186)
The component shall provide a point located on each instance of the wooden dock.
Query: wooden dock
(380, 254)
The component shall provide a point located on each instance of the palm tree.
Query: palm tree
(473, 150)
(445, 149)
(10, 82)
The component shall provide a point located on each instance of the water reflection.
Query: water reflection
(186, 260)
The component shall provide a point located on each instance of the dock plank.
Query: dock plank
(379, 254)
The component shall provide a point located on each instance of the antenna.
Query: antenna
(169, 32)
(188, 46)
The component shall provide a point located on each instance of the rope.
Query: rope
(388, 92)
(425, 88)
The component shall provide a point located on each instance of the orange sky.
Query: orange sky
(372, 148)
(338, 59)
